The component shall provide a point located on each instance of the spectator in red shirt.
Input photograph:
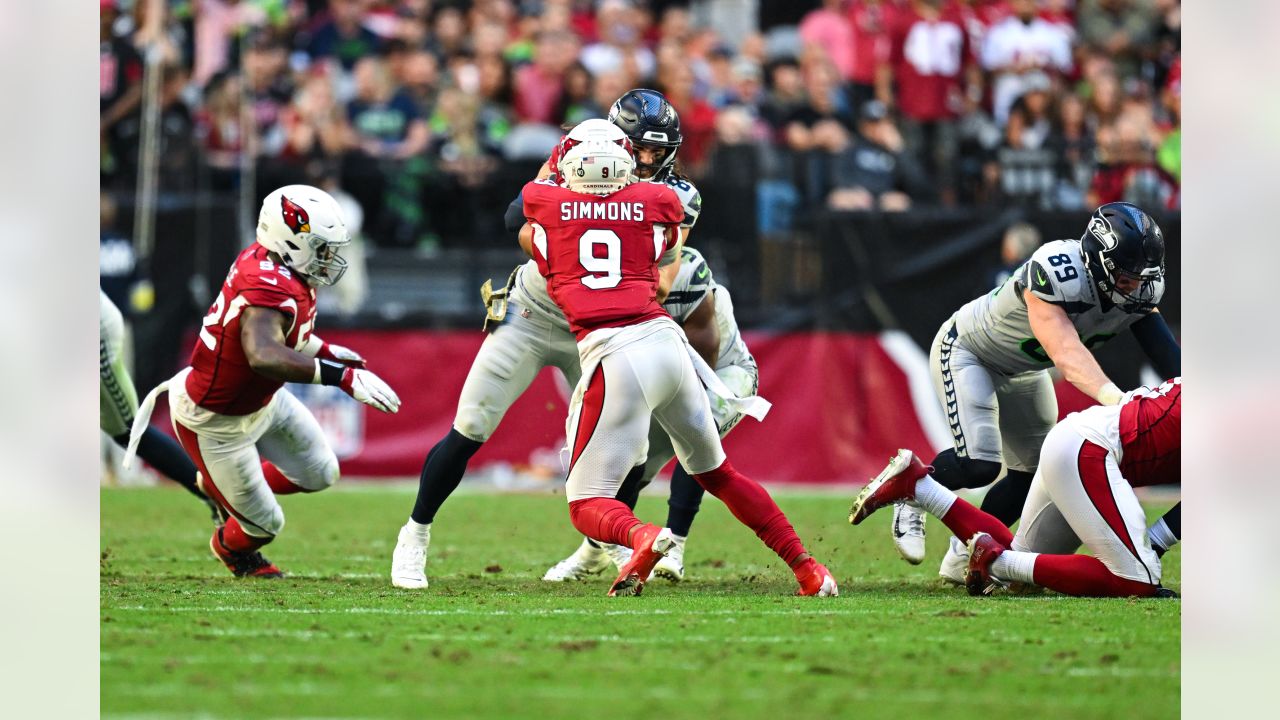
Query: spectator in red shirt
(539, 85)
(934, 66)
(870, 22)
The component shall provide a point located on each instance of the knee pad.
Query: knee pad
(956, 473)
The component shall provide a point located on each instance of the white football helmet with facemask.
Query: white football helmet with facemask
(304, 226)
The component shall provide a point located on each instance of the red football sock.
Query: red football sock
(753, 507)
(964, 520)
(1085, 576)
(278, 483)
(235, 539)
(603, 520)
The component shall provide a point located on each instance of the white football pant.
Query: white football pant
(994, 417)
(226, 450)
(1079, 496)
(510, 358)
(651, 377)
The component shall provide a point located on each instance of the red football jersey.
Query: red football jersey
(221, 379)
(600, 254)
(1151, 435)
(928, 59)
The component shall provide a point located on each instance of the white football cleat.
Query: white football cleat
(908, 531)
(409, 561)
(671, 567)
(586, 560)
(955, 564)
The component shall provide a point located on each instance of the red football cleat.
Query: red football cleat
(897, 482)
(983, 550)
(243, 564)
(815, 579)
(650, 543)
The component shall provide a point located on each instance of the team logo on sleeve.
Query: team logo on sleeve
(294, 216)
(1039, 279)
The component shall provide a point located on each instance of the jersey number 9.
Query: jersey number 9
(607, 270)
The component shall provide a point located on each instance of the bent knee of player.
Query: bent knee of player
(323, 474)
(475, 423)
(265, 525)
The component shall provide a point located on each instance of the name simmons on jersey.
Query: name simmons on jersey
(996, 328)
(530, 289)
(608, 210)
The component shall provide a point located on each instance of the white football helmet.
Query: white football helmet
(596, 167)
(304, 226)
(598, 129)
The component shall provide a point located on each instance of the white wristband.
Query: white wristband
(1109, 394)
(312, 347)
(315, 379)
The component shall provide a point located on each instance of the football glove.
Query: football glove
(370, 390)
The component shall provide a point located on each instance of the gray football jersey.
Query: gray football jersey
(692, 284)
(995, 326)
(530, 290)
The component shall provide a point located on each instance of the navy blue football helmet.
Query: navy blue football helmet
(648, 119)
(1124, 256)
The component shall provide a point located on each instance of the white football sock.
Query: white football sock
(933, 497)
(1015, 566)
(418, 530)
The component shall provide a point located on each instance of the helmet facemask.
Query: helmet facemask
(326, 266)
(1148, 284)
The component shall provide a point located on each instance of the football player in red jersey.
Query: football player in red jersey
(1082, 493)
(598, 240)
(251, 439)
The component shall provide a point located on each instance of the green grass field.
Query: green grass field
(180, 637)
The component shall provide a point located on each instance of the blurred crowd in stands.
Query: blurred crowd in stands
(416, 107)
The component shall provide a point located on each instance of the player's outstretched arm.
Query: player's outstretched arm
(701, 329)
(1158, 344)
(1052, 327)
(262, 335)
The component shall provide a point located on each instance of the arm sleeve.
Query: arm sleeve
(1159, 345)
(514, 217)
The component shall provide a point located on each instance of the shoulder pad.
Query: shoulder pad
(689, 196)
(1056, 274)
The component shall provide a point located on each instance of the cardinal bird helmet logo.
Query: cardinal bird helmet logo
(294, 216)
